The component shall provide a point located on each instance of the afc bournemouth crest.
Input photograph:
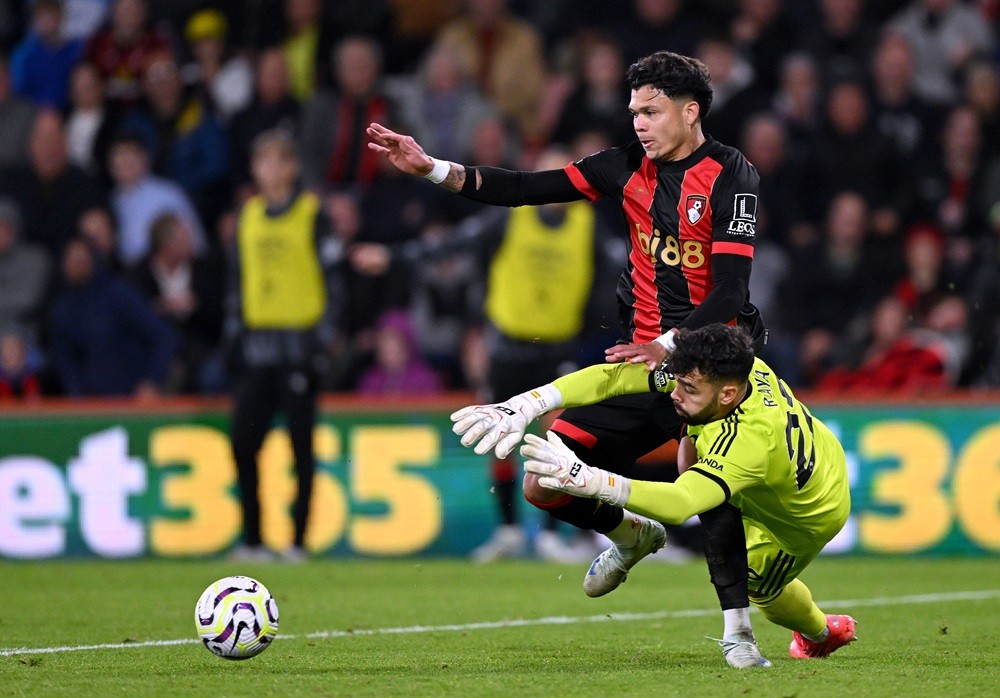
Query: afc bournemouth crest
(695, 207)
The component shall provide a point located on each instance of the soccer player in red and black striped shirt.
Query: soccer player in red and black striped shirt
(689, 205)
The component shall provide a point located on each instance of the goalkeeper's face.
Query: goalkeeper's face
(697, 400)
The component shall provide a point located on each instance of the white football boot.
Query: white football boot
(611, 567)
(741, 651)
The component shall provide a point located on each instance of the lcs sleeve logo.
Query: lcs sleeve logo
(744, 215)
(745, 208)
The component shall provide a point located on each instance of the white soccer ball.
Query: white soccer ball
(236, 618)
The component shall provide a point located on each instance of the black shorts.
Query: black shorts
(615, 433)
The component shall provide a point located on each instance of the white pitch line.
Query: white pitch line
(912, 599)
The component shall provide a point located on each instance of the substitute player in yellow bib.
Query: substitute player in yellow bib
(749, 442)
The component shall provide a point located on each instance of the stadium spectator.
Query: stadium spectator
(305, 45)
(446, 297)
(832, 281)
(370, 296)
(944, 35)
(797, 102)
(91, 122)
(16, 118)
(600, 100)
(927, 358)
(440, 105)
(183, 136)
(982, 93)
(495, 144)
(139, 197)
(897, 110)
(123, 49)
(779, 231)
(764, 31)
(282, 313)
(187, 292)
(416, 205)
(951, 185)
(225, 78)
(51, 192)
(399, 368)
(653, 25)
(840, 39)
(20, 365)
(735, 94)
(984, 308)
(83, 18)
(272, 106)
(96, 225)
(868, 338)
(24, 273)
(334, 152)
(504, 55)
(851, 154)
(925, 281)
(40, 65)
(105, 339)
(765, 143)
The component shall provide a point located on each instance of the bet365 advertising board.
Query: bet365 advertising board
(119, 483)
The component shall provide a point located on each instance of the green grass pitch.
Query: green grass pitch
(451, 628)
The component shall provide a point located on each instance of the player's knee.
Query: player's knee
(535, 494)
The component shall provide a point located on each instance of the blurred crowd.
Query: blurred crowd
(125, 130)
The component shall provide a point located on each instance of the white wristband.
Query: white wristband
(544, 398)
(666, 340)
(613, 489)
(439, 171)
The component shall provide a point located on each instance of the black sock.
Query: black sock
(589, 514)
(726, 555)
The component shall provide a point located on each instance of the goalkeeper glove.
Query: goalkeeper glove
(559, 469)
(503, 424)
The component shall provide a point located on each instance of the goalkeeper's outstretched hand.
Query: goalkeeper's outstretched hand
(559, 469)
(502, 425)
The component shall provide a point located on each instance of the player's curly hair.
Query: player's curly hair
(675, 76)
(721, 353)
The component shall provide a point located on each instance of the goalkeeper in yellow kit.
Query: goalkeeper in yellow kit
(748, 441)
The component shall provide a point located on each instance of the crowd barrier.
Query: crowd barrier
(114, 479)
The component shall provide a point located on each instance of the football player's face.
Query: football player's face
(663, 125)
(696, 400)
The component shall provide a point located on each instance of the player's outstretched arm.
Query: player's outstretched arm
(558, 469)
(502, 425)
(409, 157)
(603, 381)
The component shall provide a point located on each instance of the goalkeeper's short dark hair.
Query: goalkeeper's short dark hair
(721, 353)
(675, 76)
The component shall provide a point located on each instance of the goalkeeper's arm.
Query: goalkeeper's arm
(557, 468)
(675, 502)
(602, 381)
(501, 426)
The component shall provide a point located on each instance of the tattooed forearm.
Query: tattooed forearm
(455, 179)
